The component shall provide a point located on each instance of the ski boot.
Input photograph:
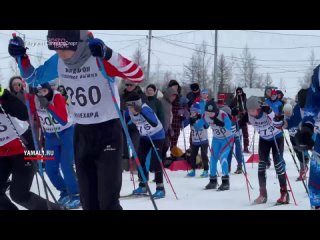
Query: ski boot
(213, 183)
(263, 198)
(284, 197)
(239, 170)
(160, 192)
(140, 191)
(192, 173)
(225, 184)
(204, 174)
(64, 198)
(74, 203)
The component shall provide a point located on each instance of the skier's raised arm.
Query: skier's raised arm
(115, 64)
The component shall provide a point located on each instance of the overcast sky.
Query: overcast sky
(282, 53)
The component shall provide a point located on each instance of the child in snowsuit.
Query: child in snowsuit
(149, 127)
(221, 144)
(199, 139)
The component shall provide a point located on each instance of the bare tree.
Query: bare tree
(197, 69)
(248, 69)
(224, 73)
(139, 60)
(268, 80)
(309, 72)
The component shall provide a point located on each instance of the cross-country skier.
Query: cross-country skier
(311, 125)
(58, 127)
(262, 118)
(149, 127)
(12, 158)
(98, 146)
(293, 118)
(221, 144)
(199, 139)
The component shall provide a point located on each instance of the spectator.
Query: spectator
(239, 103)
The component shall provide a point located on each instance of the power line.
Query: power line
(284, 34)
(121, 34)
(251, 48)
(175, 34)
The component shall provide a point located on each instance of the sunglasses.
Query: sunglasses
(239, 92)
(129, 85)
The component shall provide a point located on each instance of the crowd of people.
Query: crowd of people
(76, 117)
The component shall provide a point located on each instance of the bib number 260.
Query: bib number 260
(93, 95)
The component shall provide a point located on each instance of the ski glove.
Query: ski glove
(44, 103)
(16, 47)
(304, 136)
(267, 109)
(99, 49)
(278, 122)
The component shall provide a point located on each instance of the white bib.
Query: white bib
(90, 100)
(143, 126)
(7, 134)
(48, 123)
(199, 136)
(218, 132)
(264, 127)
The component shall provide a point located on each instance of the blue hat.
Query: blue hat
(204, 91)
(44, 85)
(195, 108)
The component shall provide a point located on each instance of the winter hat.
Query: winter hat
(152, 86)
(253, 103)
(195, 108)
(211, 106)
(204, 91)
(44, 85)
(239, 89)
(226, 109)
(63, 39)
(274, 92)
(133, 99)
(302, 97)
(280, 92)
(194, 87)
(287, 109)
(173, 83)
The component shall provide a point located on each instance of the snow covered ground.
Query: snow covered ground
(192, 195)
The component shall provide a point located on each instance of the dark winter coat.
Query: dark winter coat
(156, 105)
(125, 94)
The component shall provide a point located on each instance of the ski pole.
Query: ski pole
(243, 162)
(130, 161)
(111, 91)
(247, 180)
(184, 140)
(34, 136)
(282, 160)
(161, 164)
(294, 160)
